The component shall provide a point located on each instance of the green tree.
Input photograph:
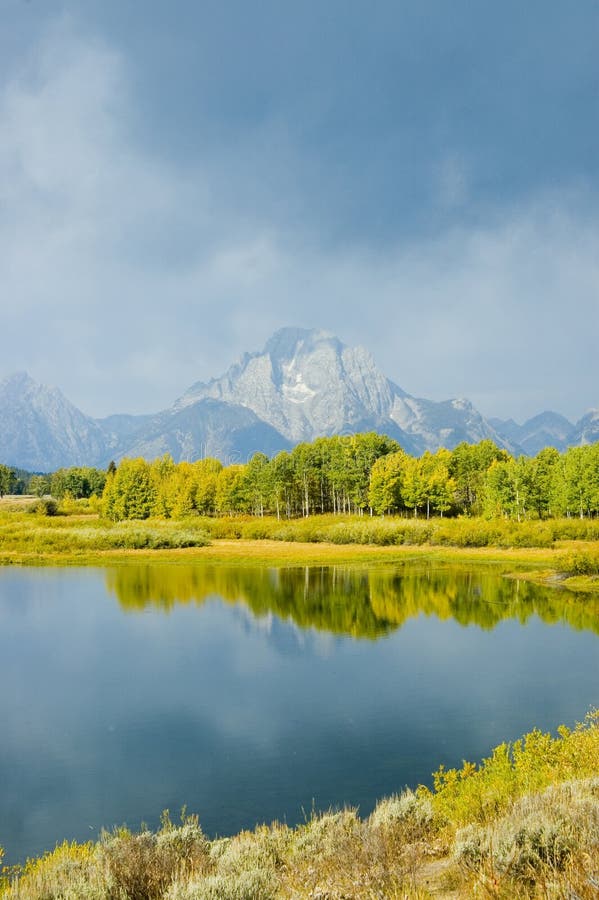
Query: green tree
(282, 483)
(468, 467)
(306, 476)
(439, 486)
(230, 497)
(7, 478)
(507, 488)
(257, 487)
(131, 492)
(206, 472)
(386, 483)
(39, 485)
(542, 471)
(413, 490)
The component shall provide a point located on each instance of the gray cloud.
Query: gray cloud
(127, 275)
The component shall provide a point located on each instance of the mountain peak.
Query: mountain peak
(41, 429)
(549, 418)
(285, 343)
(307, 382)
(18, 381)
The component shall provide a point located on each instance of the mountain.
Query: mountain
(303, 384)
(586, 431)
(120, 430)
(40, 430)
(548, 429)
(206, 428)
(306, 383)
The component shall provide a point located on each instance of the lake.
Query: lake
(257, 694)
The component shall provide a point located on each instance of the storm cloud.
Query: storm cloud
(176, 184)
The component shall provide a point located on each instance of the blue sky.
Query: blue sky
(179, 180)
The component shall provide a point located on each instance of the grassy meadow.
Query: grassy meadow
(42, 532)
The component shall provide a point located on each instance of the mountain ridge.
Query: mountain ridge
(303, 384)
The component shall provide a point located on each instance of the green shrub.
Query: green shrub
(45, 506)
(580, 563)
(574, 529)
(147, 538)
(480, 793)
(68, 871)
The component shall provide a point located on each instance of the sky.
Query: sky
(179, 180)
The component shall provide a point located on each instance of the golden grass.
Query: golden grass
(260, 552)
(31, 540)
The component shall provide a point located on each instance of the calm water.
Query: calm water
(252, 695)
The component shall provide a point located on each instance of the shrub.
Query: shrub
(323, 835)
(253, 884)
(142, 866)
(541, 831)
(580, 563)
(480, 793)
(409, 814)
(45, 506)
(68, 871)
(156, 539)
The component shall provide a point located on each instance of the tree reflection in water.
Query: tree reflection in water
(361, 603)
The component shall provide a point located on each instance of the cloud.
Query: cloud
(127, 276)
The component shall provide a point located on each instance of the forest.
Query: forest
(359, 474)
(363, 473)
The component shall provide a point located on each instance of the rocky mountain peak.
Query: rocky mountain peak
(586, 430)
(17, 383)
(547, 429)
(41, 429)
(304, 383)
(287, 343)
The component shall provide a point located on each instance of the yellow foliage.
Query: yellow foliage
(480, 793)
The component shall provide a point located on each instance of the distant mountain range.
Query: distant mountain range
(302, 385)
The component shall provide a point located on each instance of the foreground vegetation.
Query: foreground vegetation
(524, 823)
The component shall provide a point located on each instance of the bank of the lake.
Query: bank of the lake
(523, 823)
(562, 553)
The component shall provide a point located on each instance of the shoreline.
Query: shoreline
(535, 564)
(508, 825)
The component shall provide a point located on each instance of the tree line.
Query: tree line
(360, 474)
(13, 480)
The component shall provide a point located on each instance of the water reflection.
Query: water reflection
(357, 603)
(254, 705)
